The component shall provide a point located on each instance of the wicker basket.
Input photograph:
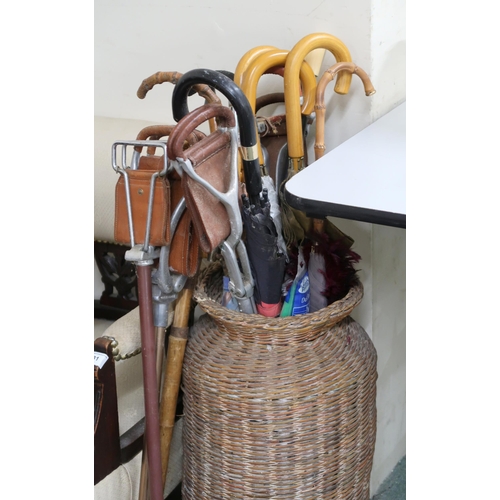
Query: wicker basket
(280, 408)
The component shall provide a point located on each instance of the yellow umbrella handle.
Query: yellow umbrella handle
(292, 91)
(268, 59)
(328, 76)
(247, 60)
(243, 64)
(277, 58)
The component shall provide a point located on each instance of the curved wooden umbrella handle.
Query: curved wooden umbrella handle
(271, 59)
(328, 76)
(292, 67)
(160, 77)
(173, 77)
(247, 60)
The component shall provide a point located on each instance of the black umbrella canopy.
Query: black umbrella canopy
(266, 259)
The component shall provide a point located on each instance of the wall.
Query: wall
(134, 40)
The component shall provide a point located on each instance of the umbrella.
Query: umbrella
(292, 91)
(265, 243)
(274, 60)
(292, 228)
(266, 259)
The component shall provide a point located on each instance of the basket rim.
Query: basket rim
(335, 311)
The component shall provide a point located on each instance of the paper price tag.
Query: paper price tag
(99, 359)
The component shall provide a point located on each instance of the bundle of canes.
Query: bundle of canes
(209, 95)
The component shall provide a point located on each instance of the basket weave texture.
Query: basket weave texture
(277, 408)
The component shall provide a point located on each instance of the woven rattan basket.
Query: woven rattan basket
(280, 408)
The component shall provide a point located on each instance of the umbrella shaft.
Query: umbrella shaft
(152, 427)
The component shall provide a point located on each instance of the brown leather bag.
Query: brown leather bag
(184, 247)
(140, 188)
(211, 160)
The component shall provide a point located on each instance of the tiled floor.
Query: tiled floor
(394, 486)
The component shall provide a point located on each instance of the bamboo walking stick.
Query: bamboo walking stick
(173, 371)
(320, 107)
(160, 77)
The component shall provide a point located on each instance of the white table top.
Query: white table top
(363, 178)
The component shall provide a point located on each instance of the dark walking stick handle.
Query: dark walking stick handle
(244, 112)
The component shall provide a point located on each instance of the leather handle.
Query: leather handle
(194, 119)
(228, 88)
(156, 132)
(267, 99)
(244, 112)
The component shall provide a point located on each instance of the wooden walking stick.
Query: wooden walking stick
(160, 77)
(178, 257)
(152, 429)
(320, 107)
(293, 63)
(173, 371)
(129, 226)
(160, 356)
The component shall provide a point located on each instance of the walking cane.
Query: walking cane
(173, 77)
(293, 64)
(143, 256)
(167, 280)
(177, 340)
(166, 288)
